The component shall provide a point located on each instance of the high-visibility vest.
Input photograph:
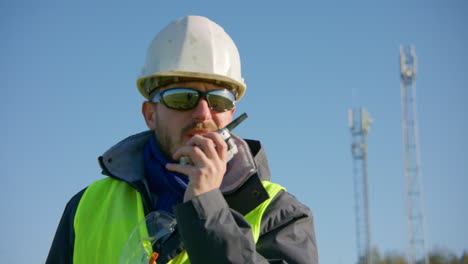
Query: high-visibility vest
(109, 211)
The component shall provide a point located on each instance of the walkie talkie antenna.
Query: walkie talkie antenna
(236, 122)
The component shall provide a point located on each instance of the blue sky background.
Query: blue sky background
(68, 72)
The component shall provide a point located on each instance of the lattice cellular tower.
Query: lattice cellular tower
(414, 194)
(359, 123)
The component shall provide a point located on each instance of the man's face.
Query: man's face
(173, 128)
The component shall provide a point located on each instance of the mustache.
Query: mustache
(208, 125)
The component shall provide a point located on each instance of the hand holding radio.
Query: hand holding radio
(224, 132)
(207, 169)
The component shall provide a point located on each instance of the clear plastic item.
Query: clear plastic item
(150, 232)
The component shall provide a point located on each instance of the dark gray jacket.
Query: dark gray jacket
(211, 227)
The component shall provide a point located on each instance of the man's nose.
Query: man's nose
(202, 111)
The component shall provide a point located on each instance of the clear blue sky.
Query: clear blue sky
(68, 71)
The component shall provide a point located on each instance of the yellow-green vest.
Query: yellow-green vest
(110, 209)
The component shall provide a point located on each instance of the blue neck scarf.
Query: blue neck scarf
(169, 186)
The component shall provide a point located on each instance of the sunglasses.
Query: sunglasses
(187, 98)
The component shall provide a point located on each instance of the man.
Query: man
(217, 207)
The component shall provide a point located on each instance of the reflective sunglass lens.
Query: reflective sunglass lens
(181, 100)
(219, 103)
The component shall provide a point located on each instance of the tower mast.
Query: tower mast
(359, 125)
(414, 192)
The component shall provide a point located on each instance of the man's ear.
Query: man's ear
(232, 111)
(148, 110)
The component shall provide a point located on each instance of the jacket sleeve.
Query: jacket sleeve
(214, 233)
(287, 232)
(61, 250)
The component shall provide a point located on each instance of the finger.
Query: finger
(221, 146)
(206, 144)
(195, 153)
(184, 169)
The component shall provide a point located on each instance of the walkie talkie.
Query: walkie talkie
(224, 132)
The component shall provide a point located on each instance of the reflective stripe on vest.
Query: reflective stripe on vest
(110, 209)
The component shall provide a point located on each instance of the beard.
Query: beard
(170, 141)
(166, 141)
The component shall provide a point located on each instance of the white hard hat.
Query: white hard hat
(192, 47)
